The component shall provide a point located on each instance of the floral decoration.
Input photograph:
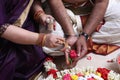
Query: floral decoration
(50, 67)
(88, 73)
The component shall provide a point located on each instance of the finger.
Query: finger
(63, 49)
(56, 44)
(74, 63)
(67, 57)
(78, 49)
(49, 16)
(83, 53)
(58, 41)
(66, 46)
(61, 39)
(52, 45)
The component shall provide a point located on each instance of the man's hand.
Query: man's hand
(71, 40)
(81, 46)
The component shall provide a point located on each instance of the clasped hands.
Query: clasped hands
(53, 41)
(79, 44)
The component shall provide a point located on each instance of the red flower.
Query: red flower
(67, 77)
(104, 73)
(80, 74)
(89, 57)
(48, 58)
(73, 54)
(52, 71)
(90, 79)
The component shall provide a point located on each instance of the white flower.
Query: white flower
(49, 65)
(88, 72)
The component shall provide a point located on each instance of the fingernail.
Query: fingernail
(78, 54)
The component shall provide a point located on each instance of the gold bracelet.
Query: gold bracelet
(40, 39)
(43, 40)
(38, 14)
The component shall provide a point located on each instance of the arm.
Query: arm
(19, 35)
(61, 16)
(22, 36)
(14, 33)
(96, 16)
(94, 19)
(74, 1)
(39, 15)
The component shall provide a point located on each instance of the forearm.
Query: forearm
(61, 16)
(96, 16)
(37, 6)
(20, 36)
(73, 1)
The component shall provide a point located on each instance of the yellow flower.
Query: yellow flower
(74, 77)
(99, 74)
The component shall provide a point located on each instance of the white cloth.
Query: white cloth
(109, 33)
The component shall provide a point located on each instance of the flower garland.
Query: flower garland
(50, 67)
(88, 73)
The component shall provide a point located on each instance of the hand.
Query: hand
(53, 40)
(71, 40)
(75, 1)
(81, 46)
(43, 18)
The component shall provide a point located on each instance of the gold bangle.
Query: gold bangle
(43, 40)
(40, 39)
(38, 14)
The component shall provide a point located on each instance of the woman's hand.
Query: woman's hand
(53, 40)
(43, 19)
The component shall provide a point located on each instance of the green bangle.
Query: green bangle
(85, 35)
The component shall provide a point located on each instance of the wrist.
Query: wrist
(41, 39)
(85, 35)
(70, 35)
(38, 14)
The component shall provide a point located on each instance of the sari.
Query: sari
(18, 62)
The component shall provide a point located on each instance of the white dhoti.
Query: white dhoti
(109, 33)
